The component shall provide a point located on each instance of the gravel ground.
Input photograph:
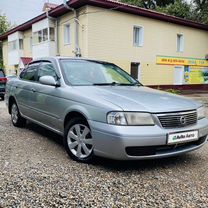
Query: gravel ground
(35, 171)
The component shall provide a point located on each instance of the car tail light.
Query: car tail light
(4, 79)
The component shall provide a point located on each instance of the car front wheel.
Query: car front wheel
(78, 140)
(17, 119)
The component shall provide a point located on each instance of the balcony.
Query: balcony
(15, 48)
(43, 39)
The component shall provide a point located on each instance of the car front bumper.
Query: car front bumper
(142, 142)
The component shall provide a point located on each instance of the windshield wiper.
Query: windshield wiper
(105, 84)
(117, 84)
(129, 84)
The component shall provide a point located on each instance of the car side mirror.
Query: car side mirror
(49, 80)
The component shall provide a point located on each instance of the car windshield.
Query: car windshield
(86, 72)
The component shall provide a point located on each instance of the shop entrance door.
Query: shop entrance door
(178, 75)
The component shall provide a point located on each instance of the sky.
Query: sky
(20, 11)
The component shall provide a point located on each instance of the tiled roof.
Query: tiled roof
(26, 60)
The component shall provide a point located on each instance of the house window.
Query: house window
(180, 43)
(21, 44)
(67, 34)
(40, 36)
(45, 34)
(52, 34)
(138, 36)
(12, 45)
(40, 39)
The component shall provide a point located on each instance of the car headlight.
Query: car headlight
(201, 113)
(131, 119)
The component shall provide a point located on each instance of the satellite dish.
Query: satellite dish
(206, 56)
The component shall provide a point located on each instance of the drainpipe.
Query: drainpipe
(56, 35)
(57, 38)
(77, 50)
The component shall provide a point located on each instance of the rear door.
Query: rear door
(25, 90)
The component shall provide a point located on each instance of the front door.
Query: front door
(48, 99)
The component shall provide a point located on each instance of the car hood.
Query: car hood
(133, 98)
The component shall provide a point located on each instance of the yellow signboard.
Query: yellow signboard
(196, 75)
(168, 60)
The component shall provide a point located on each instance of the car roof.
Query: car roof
(52, 58)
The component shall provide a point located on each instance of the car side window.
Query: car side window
(47, 69)
(2, 74)
(30, 73)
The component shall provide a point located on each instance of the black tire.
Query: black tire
(17, 119)
(2, 97)
(82, 123)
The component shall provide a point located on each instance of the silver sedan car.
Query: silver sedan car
(100, 110)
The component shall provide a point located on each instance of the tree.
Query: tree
(149, 4)
(200, 11)
(196, 10)
(163, 3)
(4, 26)
(180, 8)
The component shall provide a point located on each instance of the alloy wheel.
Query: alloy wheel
(80, 141)
(14, 113)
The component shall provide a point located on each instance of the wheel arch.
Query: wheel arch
(11, 100)
(74, 114)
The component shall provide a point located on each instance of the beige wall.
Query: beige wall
(68, 49)
(5, 53)
(65, 49)
(7, 68)
(110, 37)
(27, 43)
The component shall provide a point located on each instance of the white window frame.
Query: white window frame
(39, 34)
(140, 43)
(67, 34)
(180, 42)
(13, 45)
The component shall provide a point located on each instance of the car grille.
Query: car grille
(178, 119)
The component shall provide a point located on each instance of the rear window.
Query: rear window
(1, 74)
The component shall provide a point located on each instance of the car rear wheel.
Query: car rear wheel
(17, 119)
(78, 140)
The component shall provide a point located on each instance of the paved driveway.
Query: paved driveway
(35, 171)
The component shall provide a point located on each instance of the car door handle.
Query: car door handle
(33, 90)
